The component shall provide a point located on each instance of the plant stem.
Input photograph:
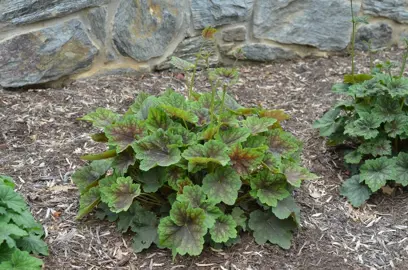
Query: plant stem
(404, 61)
(154, 196)
(353, 40)
(224, 91)
(192, 81)
(213, 88)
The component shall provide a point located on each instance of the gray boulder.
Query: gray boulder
(45, 55)
(27, 11)
(97, 21)
(237, 33)
(264, 53)
(379, 34)
(220, 12)
(393, 9)
(325, 24)
(144, 29)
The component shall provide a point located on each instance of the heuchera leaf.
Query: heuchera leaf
(157, 119)
(88, 201)
(180, 113)
(365, 89)
(228, 119)
(258, 125)
(222, 185)
(152, 180)
(245, 160)
(142, 222)
(239, 217)
(354, 157)
(223, 229)
(174, 173)
(376, 172)
(21, 260)
(181, 183)
(327, 124)
(103, 212)
(120, 195)
(295, 174)
(212, 151)
(174, 99)
(255, 142)
(137, 104)
(101, 117)
(376, 147)
(24, 219)
(183, 231)
(397, 126)
(342, 88)
(149, 103)
(209, 132)
(205, 101)
(124, 133)
(33, 244)
(11, 199)
(286, 208)
(158, 150)
(282, 143)
(401, 169)
(230, 102)
(355, 192)
(122, 161)
(233, 136)
(87, 177)
(187, 138)
(365, 127)
(269, 188)
(279, 115)
(398, 87)
(196, 198)
(386, 109)
(7, 181)
(8, 232)
(267, 227)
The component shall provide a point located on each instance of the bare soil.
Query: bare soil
(41, 141)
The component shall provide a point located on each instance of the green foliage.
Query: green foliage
(373, 122)
(20, 234)
(190, 171)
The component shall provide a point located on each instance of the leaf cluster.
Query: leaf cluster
(180, 172)
(373, 123)
(20, 234)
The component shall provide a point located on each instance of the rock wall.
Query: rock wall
(46, 41)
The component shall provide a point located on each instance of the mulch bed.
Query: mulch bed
(41, 141)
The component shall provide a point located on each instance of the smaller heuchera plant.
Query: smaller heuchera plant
(373, 125)
(20, 234)
(180, 172)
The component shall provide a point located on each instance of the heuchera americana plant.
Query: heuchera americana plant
(373, 124)
(181, 172)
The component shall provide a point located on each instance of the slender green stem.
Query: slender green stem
(404, 62)
(224, 91)
(213, 89)
(146, 200)
(154, 197)
(353, 40)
